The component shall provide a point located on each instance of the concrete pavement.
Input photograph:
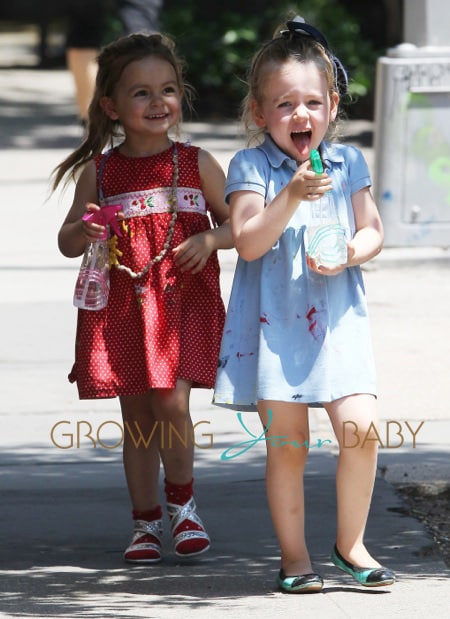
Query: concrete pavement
(64, 517)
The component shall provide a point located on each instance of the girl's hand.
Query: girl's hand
(92, 231)
(331, 270)
(307, 185)
(193, 253)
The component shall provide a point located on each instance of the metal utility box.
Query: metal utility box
(412, 130)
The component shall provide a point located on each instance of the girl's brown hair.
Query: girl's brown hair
(281, 49)
(102, 130)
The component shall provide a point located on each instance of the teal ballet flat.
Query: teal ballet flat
(366, 576)
(306, 583)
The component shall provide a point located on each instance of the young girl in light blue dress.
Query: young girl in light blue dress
(297, 331)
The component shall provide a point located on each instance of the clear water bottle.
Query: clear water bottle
(327, 244)
(92, 286)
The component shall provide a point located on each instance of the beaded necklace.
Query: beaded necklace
(174, 210)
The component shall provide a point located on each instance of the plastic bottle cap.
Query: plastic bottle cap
(316, 161)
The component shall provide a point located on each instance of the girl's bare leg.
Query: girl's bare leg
(156, 424)
(141, 451)
(355, 476)
(171, 409)
(286, 461)
(176, 443)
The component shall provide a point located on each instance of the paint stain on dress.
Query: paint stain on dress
(311, 319)
(313, 325)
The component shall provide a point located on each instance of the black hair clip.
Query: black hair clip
(299, 28)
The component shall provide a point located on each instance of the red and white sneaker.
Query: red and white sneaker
(188, 531)
(145, 546)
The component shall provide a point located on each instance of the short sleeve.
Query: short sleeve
(247, 172)
(358, 170)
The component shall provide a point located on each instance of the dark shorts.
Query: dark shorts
(87, 23)
(139, 15)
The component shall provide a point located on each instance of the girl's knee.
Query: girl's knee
(290, 455)
(171, 405)
(363, 436)
(355, 422)
(136, 408)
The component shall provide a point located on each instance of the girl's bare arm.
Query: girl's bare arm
(74, 233)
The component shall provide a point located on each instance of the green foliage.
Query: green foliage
(219, 41)
(343, 33)
(217, 53)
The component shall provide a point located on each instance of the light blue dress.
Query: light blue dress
(290, 334)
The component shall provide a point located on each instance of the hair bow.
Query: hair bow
(299, 28)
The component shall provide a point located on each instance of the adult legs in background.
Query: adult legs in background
(82, 63)
(85, 34)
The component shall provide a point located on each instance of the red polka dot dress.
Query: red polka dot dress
(166, 324)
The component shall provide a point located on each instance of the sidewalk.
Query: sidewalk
(65, 511)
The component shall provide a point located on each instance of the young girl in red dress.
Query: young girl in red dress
(159, 334)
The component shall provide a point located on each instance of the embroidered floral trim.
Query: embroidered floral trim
(172, 203)
(141, 203)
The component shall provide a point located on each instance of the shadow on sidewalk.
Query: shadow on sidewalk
(65, 525)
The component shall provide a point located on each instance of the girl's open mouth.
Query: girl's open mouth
(302, 141)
